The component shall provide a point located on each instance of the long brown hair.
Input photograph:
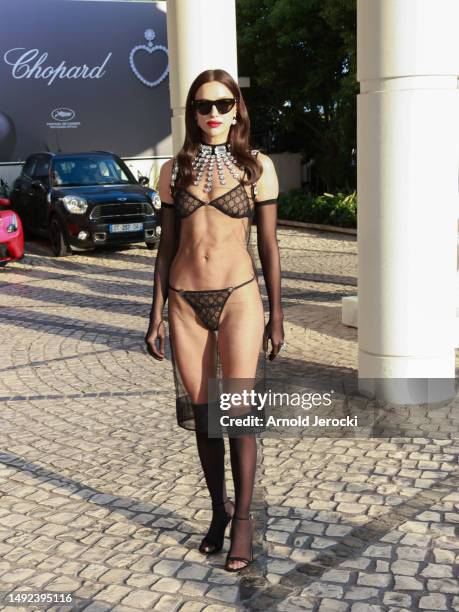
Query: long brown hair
(239, 134)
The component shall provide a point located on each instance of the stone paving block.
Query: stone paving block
(335, 575)
(167, 585)
(311, 527)
(439, 570)
(443, 585)
(412, 539)
(112, 593)
(405, 568)
(193, 572)
(397, 599)
(167, 567)
(194, 588)
(384, 552)
(39, 580)
(317, 589)
(411, 554)
(174, 552)
(17, 576)
(374, 580)
(277, 536)
(228, 594)
(444, 556)
(64, 584)
(88, 589)
(222, 577)
(167, 603)
(141, 599)
(332, 605)
(359, 593)
(361, 563)
(114, 576)
(408, 583)
(144, 564)
(92, 571)
(435, 601)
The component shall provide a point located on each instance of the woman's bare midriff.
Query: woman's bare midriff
(212, 253)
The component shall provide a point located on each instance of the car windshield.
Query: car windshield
(97, 170)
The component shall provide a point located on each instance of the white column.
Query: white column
(201, 35)
(408, 160)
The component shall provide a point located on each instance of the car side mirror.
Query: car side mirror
(38, 185)
(5, 202)
(144, 180)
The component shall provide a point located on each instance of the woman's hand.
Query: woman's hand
(154, 339)
(274, 331)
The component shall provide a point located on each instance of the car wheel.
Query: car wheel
(58, 243)
(152, 245)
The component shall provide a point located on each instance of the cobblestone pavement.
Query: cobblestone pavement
(101, 494)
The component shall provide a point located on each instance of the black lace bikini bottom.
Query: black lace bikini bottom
(209, 304)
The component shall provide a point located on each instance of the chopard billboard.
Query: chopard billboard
(78, 75)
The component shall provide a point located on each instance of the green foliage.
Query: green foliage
(301, 58)
(330, 209)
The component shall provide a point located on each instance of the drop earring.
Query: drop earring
(234, 121)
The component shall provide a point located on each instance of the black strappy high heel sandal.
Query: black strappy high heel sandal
(231, 557)
(213, 541)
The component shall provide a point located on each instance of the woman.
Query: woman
(210, 193)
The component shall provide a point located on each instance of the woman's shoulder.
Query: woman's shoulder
(267, 185)
(166, 168)
(164, 182)
(265, 161)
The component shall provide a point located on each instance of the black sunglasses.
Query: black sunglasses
(224, 105)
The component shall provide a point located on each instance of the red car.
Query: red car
(11, 234)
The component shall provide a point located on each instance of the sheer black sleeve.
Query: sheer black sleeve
(268, 251)
(265, 194)
(165, 255)
(167, 245)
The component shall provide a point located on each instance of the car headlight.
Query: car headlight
(13, 226)
(75, 204)
(156, 201)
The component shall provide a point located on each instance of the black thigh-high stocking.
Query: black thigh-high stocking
(243, 452)
(211, 453)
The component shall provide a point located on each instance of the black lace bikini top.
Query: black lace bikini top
(234, 203)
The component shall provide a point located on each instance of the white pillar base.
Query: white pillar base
(350, 309)
(408, 390)
(404, 366)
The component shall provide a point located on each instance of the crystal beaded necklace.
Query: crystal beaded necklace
(207, 157)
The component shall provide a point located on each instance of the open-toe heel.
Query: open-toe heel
(213, 542)
(231, 557)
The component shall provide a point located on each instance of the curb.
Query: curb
(319, 226)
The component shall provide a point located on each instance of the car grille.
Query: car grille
(121, 210)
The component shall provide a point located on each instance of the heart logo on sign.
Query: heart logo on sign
(149, 48)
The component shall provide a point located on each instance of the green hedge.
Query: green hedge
(339, 209)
